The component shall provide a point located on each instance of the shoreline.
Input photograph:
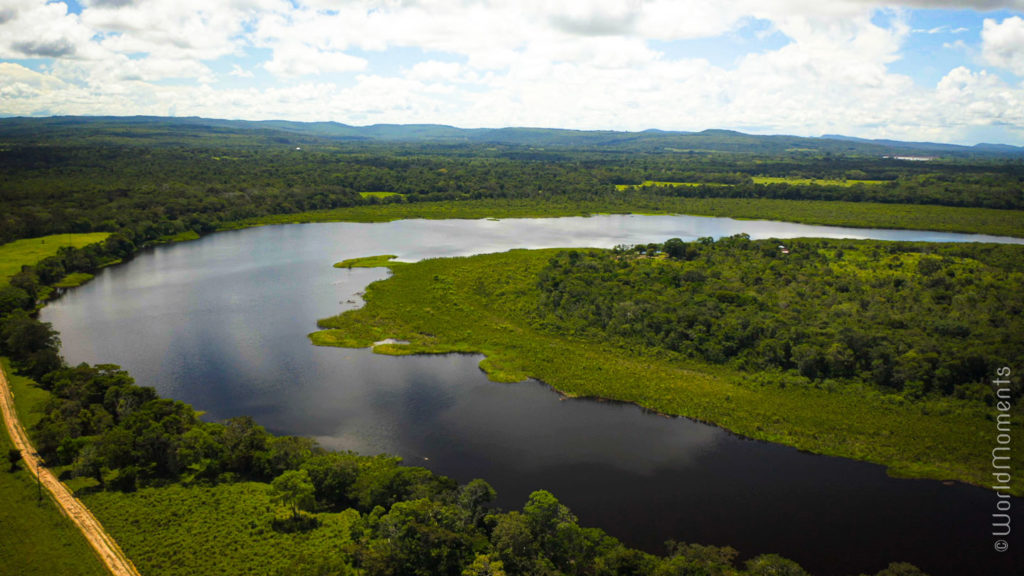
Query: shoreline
(375, 322)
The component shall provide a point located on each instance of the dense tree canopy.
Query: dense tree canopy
(917, 318)
(146, 191)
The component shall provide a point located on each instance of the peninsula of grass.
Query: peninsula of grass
(27, 252)
(488, 304)
(821, 212)
(384, 260)
(74, 279)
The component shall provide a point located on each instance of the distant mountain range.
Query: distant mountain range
(155, 130)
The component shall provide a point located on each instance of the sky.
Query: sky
(917, 70)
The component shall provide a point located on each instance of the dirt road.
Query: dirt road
(105, 546)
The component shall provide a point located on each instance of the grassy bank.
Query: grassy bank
(485, 303)
(35, 538)
(853, 214)
(14, 255)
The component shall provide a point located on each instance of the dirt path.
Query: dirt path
(105, 546)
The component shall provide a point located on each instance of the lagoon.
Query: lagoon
(221, 323)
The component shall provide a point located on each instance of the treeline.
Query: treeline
(997, 191)
(917, 319)
(411, 521)
(144, 191)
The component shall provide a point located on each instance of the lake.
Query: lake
(221, 323)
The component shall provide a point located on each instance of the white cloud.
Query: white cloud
(304, 60)
(240, 72)
(1003, 44)
(20, 84)
(36, 30)
(432, 70)
(495, 63)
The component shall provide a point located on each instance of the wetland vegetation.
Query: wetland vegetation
(863, 349)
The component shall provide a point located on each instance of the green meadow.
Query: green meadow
(381, 195)
(793, 181)
(224, 529)
(14, 255)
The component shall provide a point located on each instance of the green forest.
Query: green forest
(917, 319)
(147, 180)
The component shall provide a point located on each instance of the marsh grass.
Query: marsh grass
(485, 304)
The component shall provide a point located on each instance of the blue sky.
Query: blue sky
(917, 70)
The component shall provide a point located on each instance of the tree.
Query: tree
(332, 474)
(246, 444)
(514, 543)
(289, 452)
(32, 344)
(474, 498)
(294, 489)
(14, 456)
(484, 566)
(90, 463)
(12, 298)
(675, 248)
(774, 565)
(544, 513)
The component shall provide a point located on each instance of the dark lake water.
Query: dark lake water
(221, 323)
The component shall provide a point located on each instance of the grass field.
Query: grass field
(814, 181)
(757, 180)
(380, 195)
(28, 398)
(35, 538)
(14, 255)
(484, 304)
(829, 213)
(224, 530)
(650, 183)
